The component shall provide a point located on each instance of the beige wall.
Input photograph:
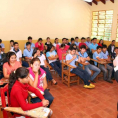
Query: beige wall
(108, 6)
(42, 18)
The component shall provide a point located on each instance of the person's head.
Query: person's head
(64, 40)
(11, 42)
(16, 46)
(76, 39)
(101, 41)
(73, 46)
(116, 50)
(21, 74)
(40, 40)
(30, 39)
(72, 51)
(67, 41)
(104, 48)
(82, 40)
(0, 40)
(94, 40)
(91, 40)
(11, 57)
(50, 48)
(113, 42)
(83, 49)
(99, 49)
(36, 51)
(62, 46)
(28, 45)
(35, 65)
(48, 39)
(56, 40)
(88, 39)
(72, 40)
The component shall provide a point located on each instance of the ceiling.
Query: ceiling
(96, 2)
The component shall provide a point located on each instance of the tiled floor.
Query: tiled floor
(77, 102)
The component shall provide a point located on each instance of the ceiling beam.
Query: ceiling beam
(90, 3)
(95, 2)
(103, 1)
(112, 1)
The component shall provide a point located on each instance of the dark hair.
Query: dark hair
(9, 54)
(99, 47)
(83, 46)
(72, 46)
(11, 41)
(55, 40)
(21, 72)
(49, 47)
(40, 39)
(101, 40)
(72, 39)
(82, 38)
(62, 45)
(76, 37)
(64, 39)
(36, 59)
(29, 38)
(115, 48)
(104, 46)
(35, 51)
(88, 37)
(113, 40)
(48, 38)
(94, 38)
(15, 43)
(0, 40)
(28, 43)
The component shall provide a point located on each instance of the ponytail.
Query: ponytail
(21, 73)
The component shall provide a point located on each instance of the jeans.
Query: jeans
(48, 74)
(116, 75)
(47, 95)
(57, 67)
(82, 74)
(108, 69)
(25, 64)
(96, 70)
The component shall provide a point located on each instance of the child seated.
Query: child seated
(71, 58)
(48, 43)
(38, 80)
(88, 67)
(100, 57)
(18, 90)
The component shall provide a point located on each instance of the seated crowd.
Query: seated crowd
(30, 70)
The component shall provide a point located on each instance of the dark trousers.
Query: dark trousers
(82, 74)
(47, 96)
(25, 64)
(116, 75)
(57, 67)
(48, 74)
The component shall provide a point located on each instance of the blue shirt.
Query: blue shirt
(77, 43)
(72, 63)
(95, 55)
(92, 46)
(32, 45)
(85, 55)
(105, 55)
(27, 53)
(2, 45)
(51, 54)
(88, 43)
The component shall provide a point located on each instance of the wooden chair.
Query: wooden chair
(68, 73)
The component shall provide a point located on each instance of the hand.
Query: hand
(45, 102)
(35, 55)
(75, 56)
(77, 53)
(30, 57)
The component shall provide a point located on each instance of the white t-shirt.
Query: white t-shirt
(18, 54)
(54, 44)
(42, 59)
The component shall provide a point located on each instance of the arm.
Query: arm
(69, 61)
(99, 59)
(45, 83)
(52, 58)
(5, 73)
(92, 50)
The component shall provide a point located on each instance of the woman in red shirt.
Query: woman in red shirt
(18, 90)
(100, 43)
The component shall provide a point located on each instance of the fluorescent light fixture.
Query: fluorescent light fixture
(88, 0)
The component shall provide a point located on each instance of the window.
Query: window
(102, 25)
(117, 30)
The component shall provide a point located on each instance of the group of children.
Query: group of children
(34, 77)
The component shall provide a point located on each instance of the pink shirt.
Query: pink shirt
(40, 78)
(115, 62)
(40, 47)
(61, 51)
(11, 68)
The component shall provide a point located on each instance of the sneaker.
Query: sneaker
(92, 85)
(88, 86)
(110, 81)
